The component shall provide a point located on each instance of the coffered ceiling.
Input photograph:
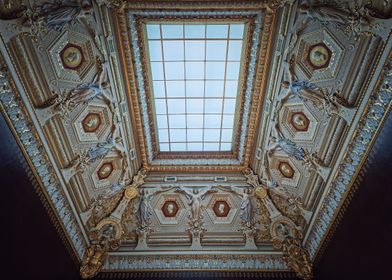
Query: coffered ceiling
(194, 135)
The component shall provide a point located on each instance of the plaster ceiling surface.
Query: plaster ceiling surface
(314, 88)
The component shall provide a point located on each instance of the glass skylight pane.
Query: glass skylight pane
(177, 135)
(231, 89)
(213, 106)
(233, 70)
(235, 48)
(227, 135)
(192, 147)
(194, 70)
(195, 106)
(212, 121)
(162, 121)
(211, 146)
(172, 31)
(210, 135)
(216, 50)
(176, 106)
(160, 106)
(174, 70)
(227, 121)
(194, 50)
(163, 135)
(229, 106)
(178, 147)
(175, 89)
(215, 70)
(195, 121)
(158, 89)
(195, 31)
(177, 121)
(153, 31)
(173, 50)
(163, 147)
(157, 70)
(194, 135)
(217, 31)
(155, 49)
(214, 89)
(236, 31)
(195, 73)
(225, 146)
(194, 88)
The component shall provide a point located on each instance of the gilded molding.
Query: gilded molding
(251, 107)
(371, 122)
(31, 145)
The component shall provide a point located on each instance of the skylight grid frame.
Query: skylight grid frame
(253, 44)
(158, 37)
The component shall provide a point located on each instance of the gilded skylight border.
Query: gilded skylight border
(138, 64)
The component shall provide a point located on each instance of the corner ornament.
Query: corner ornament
(107, 234)
(285, 233)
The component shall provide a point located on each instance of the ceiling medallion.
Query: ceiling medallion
(319, 56)
(260, 192)
(91, 122)
(299, 121)
(221, 208)
(170, 208)
(72, 56)
(131, 193)
(105, 170)
(286, 170)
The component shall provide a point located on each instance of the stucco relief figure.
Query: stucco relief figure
(98, 88)
(246, 206)
(81, 162)
(82, 94)
(195, 199)
(57, 16)
(54, 16)
(309, 92)
(356, 21)
(145, 209)
(311, 162)
(293, 204)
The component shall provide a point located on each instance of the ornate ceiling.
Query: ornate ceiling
(75, 90)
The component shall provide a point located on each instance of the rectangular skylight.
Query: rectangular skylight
(195, 72)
